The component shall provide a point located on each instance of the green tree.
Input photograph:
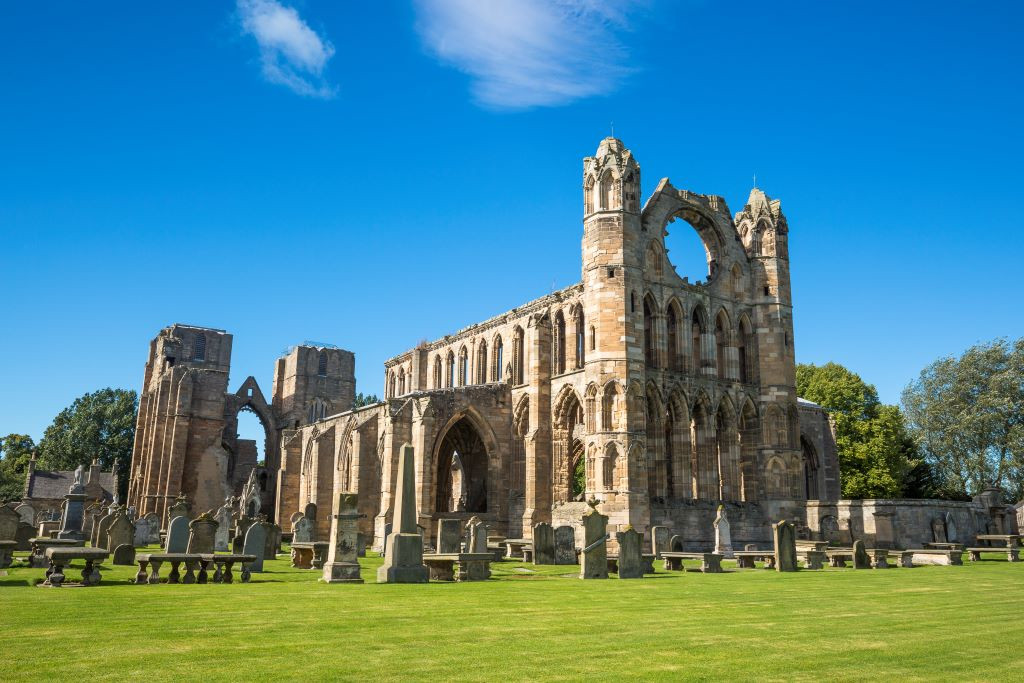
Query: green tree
(967, 416)
(876, 453)
(100, 426)
(15, 452)
(364, 400)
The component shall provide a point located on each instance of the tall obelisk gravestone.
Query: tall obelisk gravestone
(403, 561)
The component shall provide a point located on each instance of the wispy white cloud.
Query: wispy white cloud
(529, 53)
(292, 54)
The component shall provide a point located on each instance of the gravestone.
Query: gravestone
(202, 534)
(222, 538)
(303, 530)
(675, 544)
(310, 512)
(723, 538)
(74, 509)
(448, 536)
(543, 544)
(384, 543)
(103, 526)
(154, 527)
(951, 533)
(9, 521)
(565, 545)
(403, 561)
(270, 549)
(120, 532)
(27, 513)
(594, 556)
(631, 564)
(180, 508)
(177, 536)
(659, 540)
(242, 525)
(23, 537)
(124, 554)
(830, 529)
(255, 544)
(140, 537)
(476, 532)
(361, 545)
(342, 564)
(861, 559)
(785, 546)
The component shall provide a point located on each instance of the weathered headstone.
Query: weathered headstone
(23, 537)
(403, 561)
(659, 540)
(384, 544)
(140, 537)
(723, 537)
(154, 528)
(304, 530)
(242, 525)
(103, 526)
(177, 536)
(222, 538)
(951, 532)
(565, 545)
(124, 554)
(202, 534)
(270, 548)
(9, 521)
(180, 508)
(120, 532)
(630, 560)
(543, 544)
(476, 532)
(74, 509)
(594, 556)
(27, 513)
(861, 559)
(785, 546)
(675, 544)
(342, 564)
(256, 544)
(310, 512)
(449, 532)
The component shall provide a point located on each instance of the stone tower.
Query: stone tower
(181, 420)
(613, 282)
(312, 382)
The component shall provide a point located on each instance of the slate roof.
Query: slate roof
(56, 484)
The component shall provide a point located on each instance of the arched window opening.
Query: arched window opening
(392, 385)
(518, 356)
(498, 360)
(686, 251)
(251, 440)
(721, 347)
(580, 340)
(697, 332)
(321, 365)
(559, 343)
(810, 458)
(401, 381)
(481, 363)
(631, 193)
(611, 453)
(450, 379)
(649, 343)
(593, 338)
(463, 367)
(462, 470)
(588, 196)
(672, 327)
(608, 192)
(199, 348)
(437, 372)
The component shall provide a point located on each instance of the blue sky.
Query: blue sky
(372, 174)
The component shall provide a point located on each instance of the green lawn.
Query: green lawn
(921, 623)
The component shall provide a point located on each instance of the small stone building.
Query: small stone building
(45, 490)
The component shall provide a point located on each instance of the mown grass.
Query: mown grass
(526, 623)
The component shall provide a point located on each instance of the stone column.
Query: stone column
(537, 444)
(342, 559)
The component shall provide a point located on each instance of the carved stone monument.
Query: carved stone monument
(342, 558)
(723, 537)
(630, 561)
(543, 544)
(202, 534)
(403, 561)
(785, 546)
(74, 509)
(565, 545)
(594, 556)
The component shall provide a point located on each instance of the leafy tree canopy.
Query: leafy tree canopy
(100, 426)
(967, 416)
(15, 452)
(364, 400)
(876, 454)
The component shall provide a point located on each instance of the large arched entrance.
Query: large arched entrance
(462, 469)
(567, 445)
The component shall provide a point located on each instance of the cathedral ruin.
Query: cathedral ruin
(658, 397)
